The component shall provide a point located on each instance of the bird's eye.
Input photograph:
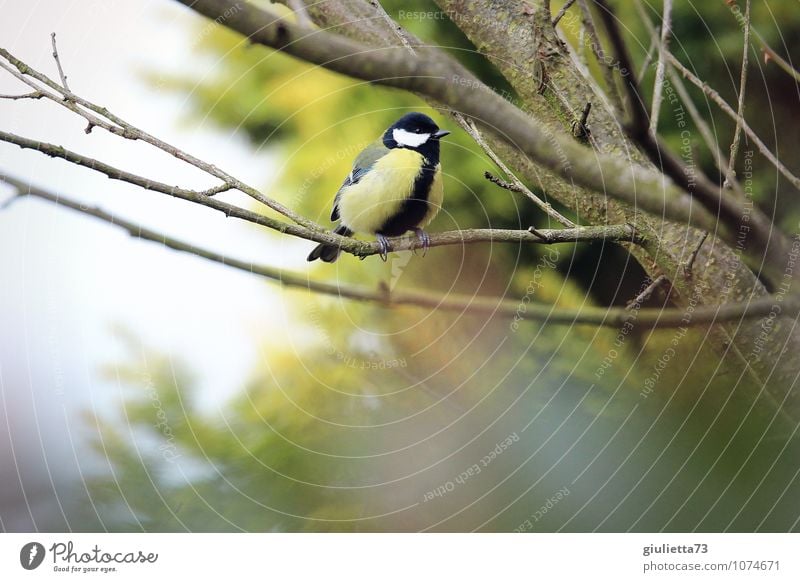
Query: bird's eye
(417, 130)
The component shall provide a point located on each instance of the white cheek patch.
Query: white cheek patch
(409, 139)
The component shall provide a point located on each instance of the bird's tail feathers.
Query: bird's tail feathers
(329, 253)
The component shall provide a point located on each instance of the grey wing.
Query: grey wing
(363, 164)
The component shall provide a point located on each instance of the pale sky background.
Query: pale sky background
(67, 279)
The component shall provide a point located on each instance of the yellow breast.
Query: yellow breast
(366, 206)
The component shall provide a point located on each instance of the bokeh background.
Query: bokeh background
(146, 390)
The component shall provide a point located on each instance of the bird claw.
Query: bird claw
(424, 239)
(383, 243)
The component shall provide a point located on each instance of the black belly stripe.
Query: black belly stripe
(415, 208)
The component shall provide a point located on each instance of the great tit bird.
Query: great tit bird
(395, 186)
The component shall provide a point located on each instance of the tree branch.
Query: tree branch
(434, 78)
(597, 51)
(519, 186)
(645, 295)
(58, 62)
(362, 249)
(204, 198)
(730, 174)
(705, 131)
(98, 116)
(643, 188)
(728, 110)
(31, 95)
(567, 5)
(594, 316)
(300, 11)
(770, 53)
(772, 246)
(663, 46)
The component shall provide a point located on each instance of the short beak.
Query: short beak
(441, 133)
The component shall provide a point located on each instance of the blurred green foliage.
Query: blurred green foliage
(358, 415)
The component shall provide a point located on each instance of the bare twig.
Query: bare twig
(728, 110)
(597, 51)
(300, 12)
(639, 122)
(58, 62)
(580, 129)
(594, 316)
(567, 5)
(687, 268)
(199, 197)
(728, 208)
(31, 95)
(720, 160)
(537, 233)
(730, 175)
(663, 47)
(774, 56)
(398, 30)
(352, 246)
(502, 183)
(648, 58)
(98, 116)
(470, 127)
(645, 295)
(705, 131)
(56, 151)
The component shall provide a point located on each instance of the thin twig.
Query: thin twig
(536, 232)
(648, 58)
(398, 30)
(594, 316)
(730, 175)
(774, 56)
(31, 95)
(502, 183)
(567, 5)
(98, 116)
(645, 295)
(727, 109)
(687, 268)
(352, 246)
(300, 12)
(729, 209)
(580, 129)
(597, 51)
(470, 127)
(663, 47)
(56, 151)
(58, 62)
(639, 123)
(705, 131)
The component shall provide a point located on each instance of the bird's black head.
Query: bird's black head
(415, 131)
